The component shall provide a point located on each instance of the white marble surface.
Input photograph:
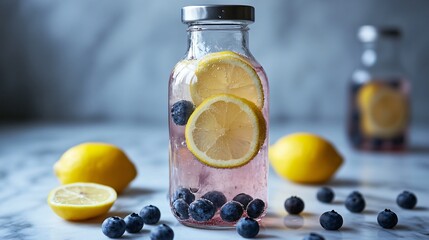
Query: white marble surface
(27, 153)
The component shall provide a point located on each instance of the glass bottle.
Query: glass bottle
(378, 116)
(210, 163)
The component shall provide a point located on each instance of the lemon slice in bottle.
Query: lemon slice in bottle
(225, 131)
(80, 201)
(384, 110)
(226, 73)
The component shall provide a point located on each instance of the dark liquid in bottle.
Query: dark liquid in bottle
(362, 137)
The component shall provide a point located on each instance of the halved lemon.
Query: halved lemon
(80, 201)
(225, 131)
(384, 110)
(226, 73)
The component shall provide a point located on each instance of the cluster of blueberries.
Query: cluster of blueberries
(115, 227)
(201, 210)
(355, 202)
(185, 206)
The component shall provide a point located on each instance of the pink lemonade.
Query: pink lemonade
(186, 171)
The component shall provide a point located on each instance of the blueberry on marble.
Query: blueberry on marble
(180, 208)
(294, 205)
(231, 211)
(255, 208)
(331, 220)
(216, 197)
(184, 193)
(243, 198)
(314, 236)
(355, 193)
(202, 210)
(247, 227)
(325, 195)
(150, 214)
(134, 223)
(387, 219)
(355, 203)
(181, 111)
(406, 200)
(162, 232)
(113, 227)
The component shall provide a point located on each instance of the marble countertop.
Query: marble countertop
(28, 152)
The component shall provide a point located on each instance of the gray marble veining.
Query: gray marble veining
(27, 153)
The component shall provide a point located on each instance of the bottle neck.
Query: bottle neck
(383, 52)
(203, 39)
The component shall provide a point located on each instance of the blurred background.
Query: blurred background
(110, 60)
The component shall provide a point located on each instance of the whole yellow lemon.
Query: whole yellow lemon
(304, 158)
(97, 163)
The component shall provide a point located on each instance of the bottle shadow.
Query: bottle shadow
(418, 149)
(137, 191)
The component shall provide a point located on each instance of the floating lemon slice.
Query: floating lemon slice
(226, 73)
(225, 131)
(384, 110)
(80, 201)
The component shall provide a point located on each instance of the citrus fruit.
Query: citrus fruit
(384, 110)
(304, 158)
(98, 163)
(226, 73)
(225, 131)
(80, 201)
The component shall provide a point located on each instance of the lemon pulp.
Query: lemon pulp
(384, 110)
(225, 131)
(80, 201)
(226, 73)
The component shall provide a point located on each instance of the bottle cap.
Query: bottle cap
(218, 14)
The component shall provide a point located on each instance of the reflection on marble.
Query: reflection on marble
(27, 153)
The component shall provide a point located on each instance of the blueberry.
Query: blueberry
(355, 204)
(331, 220)
(113, 227)
(134, 223)
(294, 205)
(180, 208)
(243, 198)
(162, 232)
(231, 211)
(387, 219)
(202, 210)
(355, 193)
(255, 208)
(247, 227)
(181, 111)
(150, 214)
(185, 194)
(217, 198)
(406, 200)
(314, 236)
(325, 195)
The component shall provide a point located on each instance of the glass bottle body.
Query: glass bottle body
(186, 170)
(378, 109)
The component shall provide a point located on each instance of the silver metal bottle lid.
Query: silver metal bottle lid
(218, 13)
(369, 33)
